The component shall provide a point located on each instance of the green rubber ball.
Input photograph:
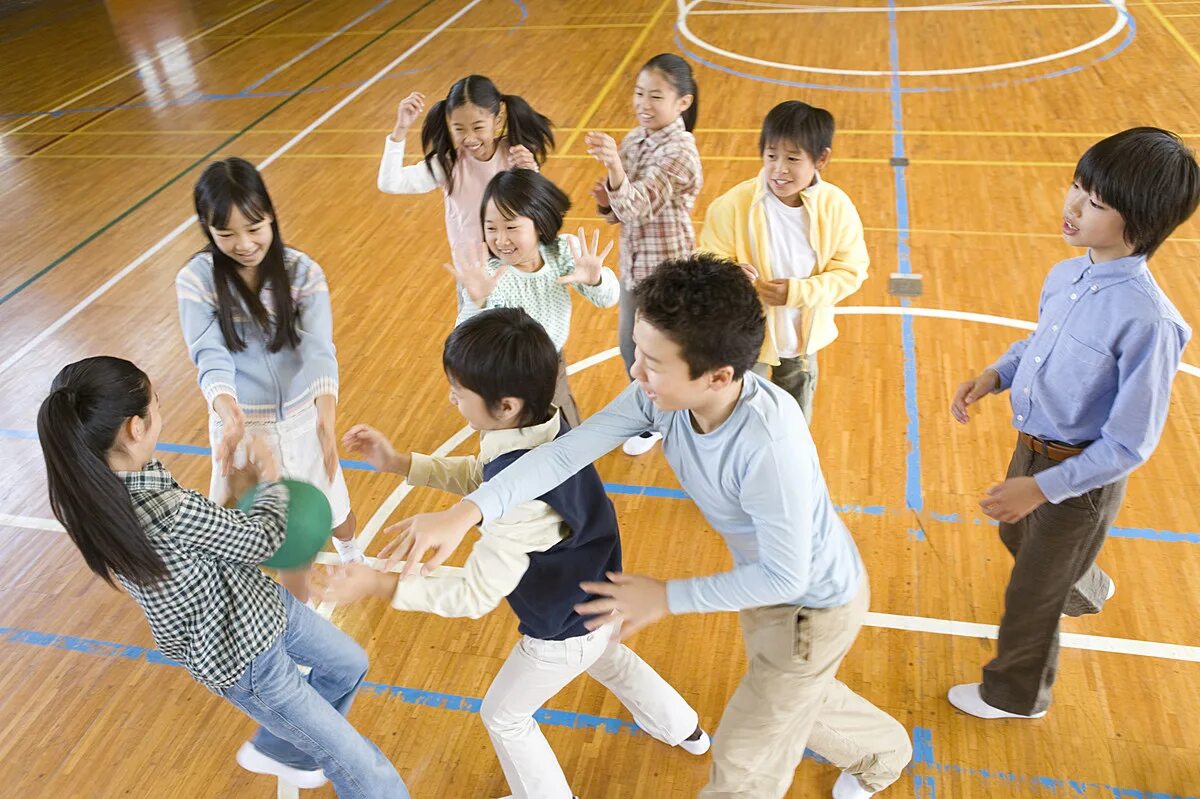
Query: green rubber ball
(309, 524)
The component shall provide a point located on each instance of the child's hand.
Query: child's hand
(433, 534)
(604, 148)
(589, 266)
(260, 455)
(520, 157)
(410, 108)
(233, 430)
(1013, 500)
(600, 194)
(772, 292)
(376, 449)
(475, 278)
(750, 271)
(354, 582)
(972, 391)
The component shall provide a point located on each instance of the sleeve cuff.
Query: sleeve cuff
(392, 147)
(325, 387)
(1054, 485)
(488, 503)
(679, 597)
(214, 390)
(419, 469)
(1007, 369)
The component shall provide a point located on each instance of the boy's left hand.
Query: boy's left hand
(589, 264)
(631, 599)
(1013, 500)
(772, 292)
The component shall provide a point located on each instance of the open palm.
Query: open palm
(474, 276)
(589, 263)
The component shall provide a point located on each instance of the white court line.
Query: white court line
(55, 326)
(135, 68)
(860, 10)
(685, 9)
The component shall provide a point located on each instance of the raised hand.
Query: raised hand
(604, 149)
(410, 108)
(520, 157)
(474, 277)
(589, 264)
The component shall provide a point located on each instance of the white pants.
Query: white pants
(537, 670)
(297, 449)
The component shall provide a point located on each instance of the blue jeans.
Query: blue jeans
(304, 719)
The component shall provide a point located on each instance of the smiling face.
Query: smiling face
(656, 103)
(790, 170)
(514, 241)
(1088, 222)
(662, 373)
(474, 129)
(243, 240)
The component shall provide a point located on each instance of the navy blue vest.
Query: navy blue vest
(545, 599)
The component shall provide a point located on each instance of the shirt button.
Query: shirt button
(1074, 296)
(1095, 287)
(1054, 328)
(1026, 392)
(1037, 359)
(1020, 418)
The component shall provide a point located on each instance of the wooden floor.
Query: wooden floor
(107, 112)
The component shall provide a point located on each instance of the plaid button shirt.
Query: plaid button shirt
(216, 611)
(654, 204)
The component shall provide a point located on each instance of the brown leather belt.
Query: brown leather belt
(1055, 452)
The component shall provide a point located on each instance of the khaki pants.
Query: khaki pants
(796, 376)
(790, 698)
(563, 399)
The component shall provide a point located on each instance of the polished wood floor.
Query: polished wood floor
(108, 111)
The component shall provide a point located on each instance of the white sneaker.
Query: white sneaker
(348, 551)
(968, 699)
(253, 760)
(698, 746)
(1112, 589)
(848, 787)
(640, 445)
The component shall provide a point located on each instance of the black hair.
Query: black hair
(524, 192)
(223, 186)
(504, 352)
(707, 305)
(799, 124)
(1149, 176)
(522, 124)
(679, 74)
(77, 424)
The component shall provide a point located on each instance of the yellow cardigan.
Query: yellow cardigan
(735, 226)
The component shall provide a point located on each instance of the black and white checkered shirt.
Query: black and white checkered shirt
(217, 611)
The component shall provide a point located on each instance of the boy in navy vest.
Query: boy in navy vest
(502, 368)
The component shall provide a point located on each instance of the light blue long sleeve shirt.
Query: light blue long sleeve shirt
(756, 479)
(1097, 371)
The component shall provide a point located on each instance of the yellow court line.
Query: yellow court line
(454, 29)
(984, 134)
(1176, 16)
(557, 156)
(616, 73)
(1171, 29)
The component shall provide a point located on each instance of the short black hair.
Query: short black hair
(524, 192)
(708, 306)
(504, 352)
(800, 124)
(1149, 176)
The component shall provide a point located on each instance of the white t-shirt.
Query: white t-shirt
(792, 255)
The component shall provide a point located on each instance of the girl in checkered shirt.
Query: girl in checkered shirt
(650, 187)
(192, 566)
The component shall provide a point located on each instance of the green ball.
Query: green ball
(309, 524)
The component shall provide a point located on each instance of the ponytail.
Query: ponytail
(678, 73)
(523, 125)
(77, 425)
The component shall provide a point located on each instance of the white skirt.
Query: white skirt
(297, 449)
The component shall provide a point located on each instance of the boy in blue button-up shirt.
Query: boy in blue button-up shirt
(1089, 390)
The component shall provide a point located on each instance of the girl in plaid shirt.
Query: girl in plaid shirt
(651, 186)
(192, 566)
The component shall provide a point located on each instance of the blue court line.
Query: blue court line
(923, 752)
(660, 492)
(913, 496)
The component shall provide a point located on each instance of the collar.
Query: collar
(153, 476)
(659, 136)
(494, 443)
(1108, 273)
(762, 192)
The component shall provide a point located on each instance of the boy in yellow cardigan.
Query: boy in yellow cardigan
(799, 237)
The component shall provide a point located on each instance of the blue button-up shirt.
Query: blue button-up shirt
(1098, 369)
